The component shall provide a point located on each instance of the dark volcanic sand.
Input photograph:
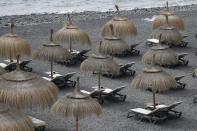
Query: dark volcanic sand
(35, 29)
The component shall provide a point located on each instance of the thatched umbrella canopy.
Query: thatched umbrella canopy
(100, 64)
(13, 46)
(122, 27)
(169, 33)
(76, 104)
(25, 89)
(112, 44)
(51, 51)
(155, 78)
(2, 70)
(71, 34)
(174, 20)
(13, 120)
(163, 55)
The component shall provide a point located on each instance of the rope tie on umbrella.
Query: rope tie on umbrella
(117, 10)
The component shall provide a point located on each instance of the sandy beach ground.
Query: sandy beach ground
(35, 29)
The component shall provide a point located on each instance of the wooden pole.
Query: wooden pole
(70, 42)
(17, 62)
(154, 103)
(167, 8)
(51, 70)
(112, 55)
(99, 80)
(77, 124)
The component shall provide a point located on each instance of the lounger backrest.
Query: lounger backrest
(118, 89)
(69, 75)
(159, 110)
(174, 105)
(182, 55)
(95, 92)
(84, 52)
(25, 62)
(128, 65)
(177, 78)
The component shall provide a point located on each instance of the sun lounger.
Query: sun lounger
(77, 57)
(181, 59)
(39, 125)
(95, 94)
(125, 70)
(12, 66)
(170, 108)
(195, 99)
(112, 94)
(129, 52)
(160, 114)
(194, 73)
(62, 81)
(152, 42)
(154, 116)
(180, 85)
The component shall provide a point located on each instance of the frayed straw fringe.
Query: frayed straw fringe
(160, 81)
(75, 35)
(12, 45)
(76, 107)
(163, 57)
(28, 93)
(173, 20)
(122, 29)
(112, 46)
(14, 120)
(103, 64)
(168, 36)
(52, 53)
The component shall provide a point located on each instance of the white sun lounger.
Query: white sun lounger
(39, 125)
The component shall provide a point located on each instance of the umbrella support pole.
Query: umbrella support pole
(154, 103)
(51, 70)
(77, 123)
(17, 62)
(99, 80)
(112, 55)
(70, 42)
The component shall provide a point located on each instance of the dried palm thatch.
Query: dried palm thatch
(2, 70)
(174, 20)
(12, 45)
(14, 120)
(112, 44)
(163, 55)
(100, 64)
(51, 51)
(169, 34)
(71, 34)
(122, 27)
(157, 79)
(25, 89)
(76, 104)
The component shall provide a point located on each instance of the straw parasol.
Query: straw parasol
(169, 33)
(163, 55)
(155, 78)
(174, 20)
(13, 46)
(100, 64)
(25, 89)
(71, 34)
(112, 44)
(76, 104)
(13, 120)
(51, 51)
(122, 27)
